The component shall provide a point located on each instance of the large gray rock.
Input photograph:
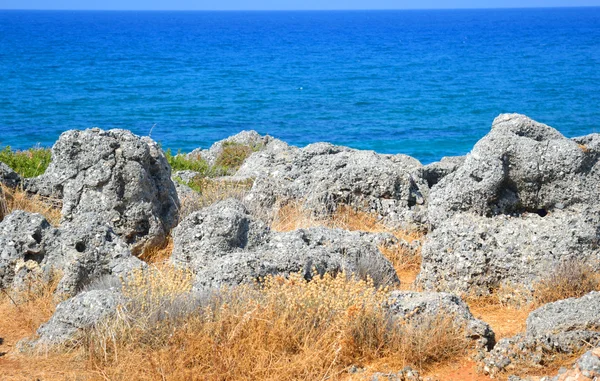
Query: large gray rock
(524, 200)
(475, 254)
(434, 172)
(566, 326)
(82, 251)
(520, 166)
(250, 138)
(225, 245)
(117, 175)
(72, 316)
(323, 176)
(411, 306)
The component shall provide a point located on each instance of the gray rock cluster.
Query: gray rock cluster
(82, 251)
(323, 176)
(8, 177)
(225, 245)
(523, 201)
(560, 327)
(124, 179)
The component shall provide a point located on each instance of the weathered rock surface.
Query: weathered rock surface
(521, 165)
(122, 178)
(81, 312)
(225, 245)
(524, 200)
(434, 172)
(9, 177)
(83, 251)
(323, 176)
(565, 326)
(407, 305)
(476, 254)
(247, 138)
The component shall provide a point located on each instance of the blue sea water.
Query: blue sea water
(424, 83)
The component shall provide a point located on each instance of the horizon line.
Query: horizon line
(294, 10)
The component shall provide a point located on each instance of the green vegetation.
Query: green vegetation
(180, 162)
(29, 163)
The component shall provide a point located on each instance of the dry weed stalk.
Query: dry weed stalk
(570, 279)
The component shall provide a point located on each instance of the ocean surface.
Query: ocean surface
(423, 83)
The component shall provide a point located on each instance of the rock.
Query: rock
(9, 177)
(225, 245)
(82, 251)
(566, 326)
(324, 176)
(185, 176)
(406, 374)
(408, 305)
(520, 166)
(23, 239)
(434, 172)
(88, 250)
(475, 254)
(250, 138)
(72, 316)
(121, 177)
(523, 202)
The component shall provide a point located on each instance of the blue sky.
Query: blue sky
(283, 4)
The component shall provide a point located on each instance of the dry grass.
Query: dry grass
(286, 329)
(571, 279)
(210, 191)
(15, 199)
(158, 255)
(406, 261)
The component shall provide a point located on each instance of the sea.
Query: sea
(423, 83)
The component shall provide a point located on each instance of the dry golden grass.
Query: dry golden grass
(15, 199)
(406, 261)
(572, 279)
(157, 255)
(284, 329)
(210, 191)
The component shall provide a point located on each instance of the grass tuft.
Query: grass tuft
(29, 163)
(233, 155)
(16, 199)
(570, 279)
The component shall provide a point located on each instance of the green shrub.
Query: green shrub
(29, 163)
(180, 162)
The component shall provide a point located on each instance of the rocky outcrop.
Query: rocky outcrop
(225, 245)
(250, 138)
(520, 166)
(565, 326)
(476, 254)
(523, 201)
(82, 251)
(434, 172)
(324, 176)
(122, 178)
(415, 306)
(72, 316)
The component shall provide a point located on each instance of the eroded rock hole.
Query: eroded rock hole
(80, 247)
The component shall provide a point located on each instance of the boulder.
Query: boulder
(324, 176)
(82, 251)
(72, 316)
(523, 201)
(416, 306)
(475, 254)
(9, 177)
(520, 166)
(250, 138)
(117, 175)
(224, 245)
(566, 326)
